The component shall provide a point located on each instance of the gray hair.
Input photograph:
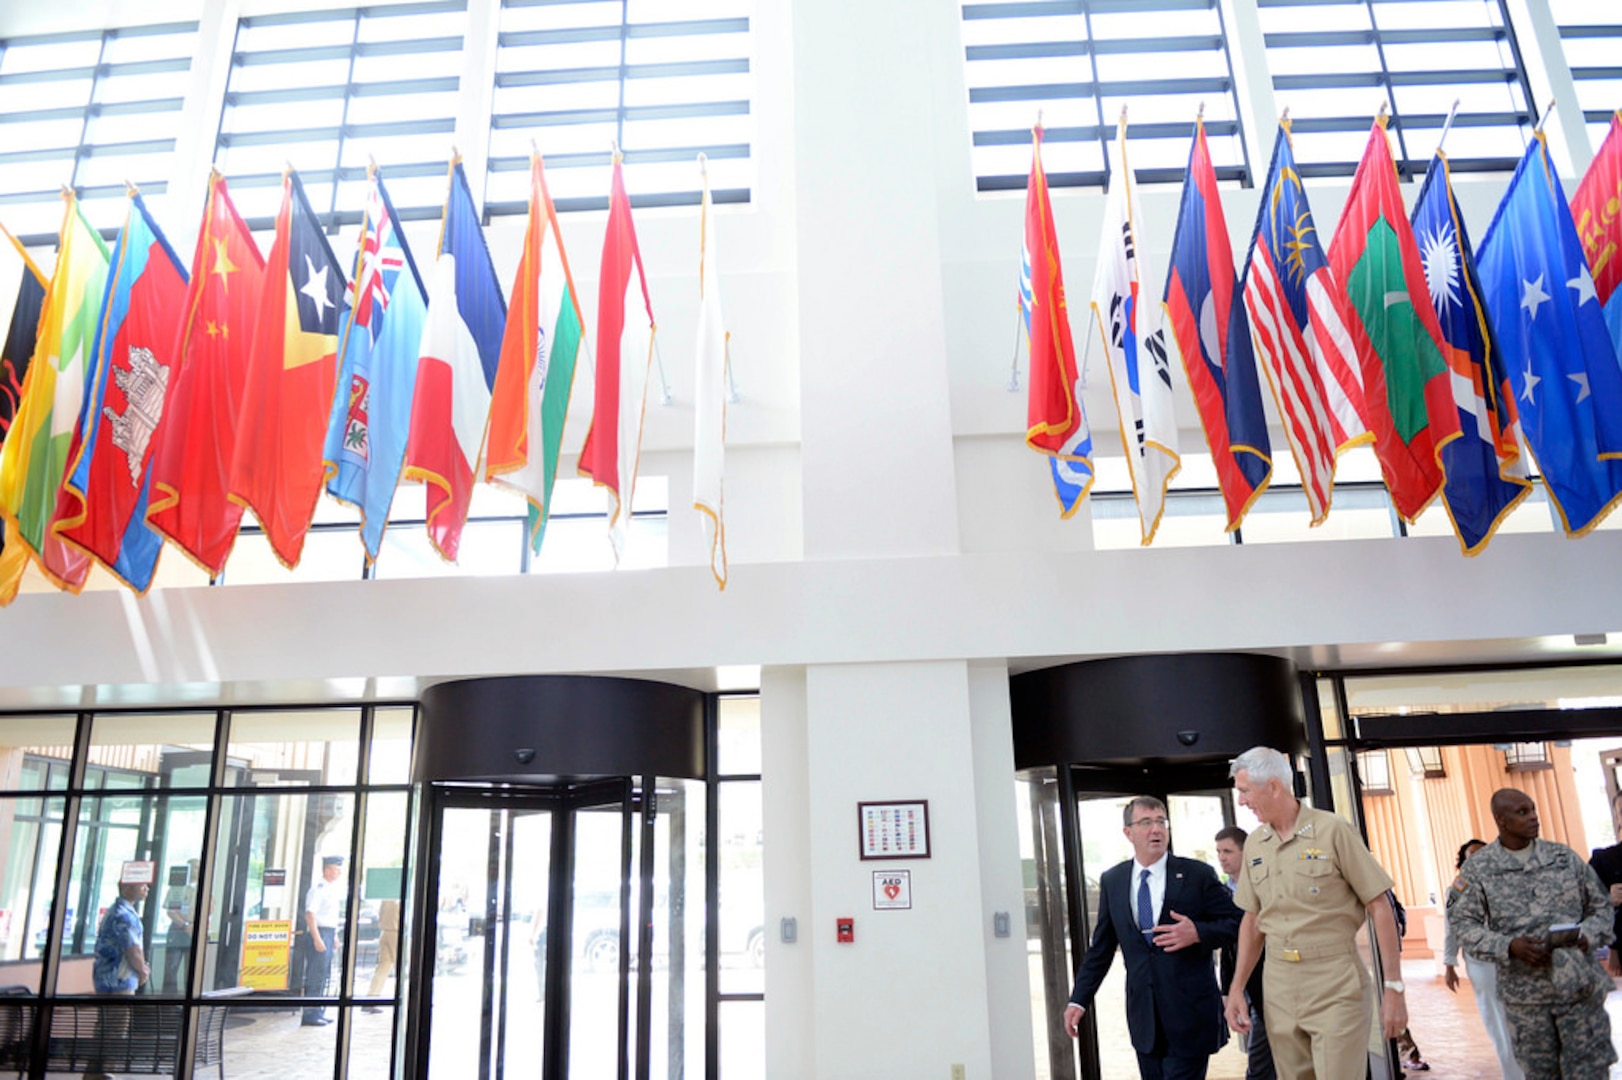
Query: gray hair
(1148, 802)
(1263, 763)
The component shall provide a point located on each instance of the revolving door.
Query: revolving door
(560, 909)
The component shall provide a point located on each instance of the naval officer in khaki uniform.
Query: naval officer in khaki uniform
(1306, 886)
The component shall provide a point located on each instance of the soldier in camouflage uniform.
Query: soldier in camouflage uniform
(1503, 902)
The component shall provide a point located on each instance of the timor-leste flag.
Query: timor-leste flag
(530, 400)
(102, 506)
(1596, 207)
(277, 470)
(191, 465)
(624, 355)
(35, 455)
(1406, 388)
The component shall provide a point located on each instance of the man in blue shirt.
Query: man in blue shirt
(120, 967)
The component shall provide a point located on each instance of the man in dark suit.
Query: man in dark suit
(1607, 863)
(1166, 915)
(1230, 852)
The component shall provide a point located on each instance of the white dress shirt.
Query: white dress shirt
(1157, 887)
(325, 901)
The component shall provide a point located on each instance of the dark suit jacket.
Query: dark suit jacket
(1607, 863)
(1229, 959)
(1176, 989)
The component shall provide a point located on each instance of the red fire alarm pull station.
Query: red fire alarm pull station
(847, 931)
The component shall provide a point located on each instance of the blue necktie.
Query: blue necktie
(1146, 912)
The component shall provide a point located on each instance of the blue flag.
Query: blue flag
(371, 412)
(1486, 478)
(1557, 351)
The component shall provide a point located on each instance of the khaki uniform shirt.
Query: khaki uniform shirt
(1309, 890)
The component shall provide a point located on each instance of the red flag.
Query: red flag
(1597, 209)
(1053, 414)
(277, 468)
(624, 355)
(192, 462)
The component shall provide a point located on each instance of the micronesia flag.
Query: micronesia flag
(102, 506)
(371, 412)
(1557, 351)
(1486, 477)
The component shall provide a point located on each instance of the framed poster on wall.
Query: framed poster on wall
(894, 830)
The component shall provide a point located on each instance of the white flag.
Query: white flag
(710, 396)
(1135, 344)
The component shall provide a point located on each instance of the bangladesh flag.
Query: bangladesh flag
(1411, 410)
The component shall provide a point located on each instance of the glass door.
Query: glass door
(530, 908)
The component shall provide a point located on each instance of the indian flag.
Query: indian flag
(530, 401)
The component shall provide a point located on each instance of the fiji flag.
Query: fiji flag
(371, 413)
(1207, 318)
(1557, 351)
(459, 355)
(102, 506)
(1486, 477)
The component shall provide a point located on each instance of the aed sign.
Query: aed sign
(892, 890)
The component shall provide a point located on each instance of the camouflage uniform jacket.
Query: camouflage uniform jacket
(1498, 898)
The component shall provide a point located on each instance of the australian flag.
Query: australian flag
(1557, 351)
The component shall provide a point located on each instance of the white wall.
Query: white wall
(895, 548)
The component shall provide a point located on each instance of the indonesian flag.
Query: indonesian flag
(530, 401)
(624, 355)
(461, 349)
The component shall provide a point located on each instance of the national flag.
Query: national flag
(530, 400)
(624, 354)
(1140, 370)
(191, 465)
(34, 457)
(1408, 399)
(1597, 209)
(1561, 364)
(276, 470)
(458, 358)
(1486, 477)
(1298, 314)
(710, 392)
(21, 335)
(1056, 422)
(377, 377)
(1212, 335)
(102, 506)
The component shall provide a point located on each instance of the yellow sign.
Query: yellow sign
(265, 946)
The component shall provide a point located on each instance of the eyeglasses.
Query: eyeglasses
(1149, 823)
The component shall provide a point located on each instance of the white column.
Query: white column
(875, 409)
(786, 823)
(1258, 108)
(1551, 80)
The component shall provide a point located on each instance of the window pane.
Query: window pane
(30, 839)
(382, 891)
(147, 750)
(677, 1023)
(317, 747)
(390, 761)
(328, 556)
(741, 928)
(267, 862)
(259, 1041)
(30, 746)
(739, 736)
(743, 1038)
(113, 832)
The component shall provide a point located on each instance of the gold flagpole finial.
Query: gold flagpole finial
(703, 164)
(371, 167)
(1544, 119)
(1201, 114)
(130, 189)
(67, 192)
(534, 148)
(456, 156)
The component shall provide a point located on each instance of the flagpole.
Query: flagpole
(1447, 125)
(1013, 365)
(1544, 119)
